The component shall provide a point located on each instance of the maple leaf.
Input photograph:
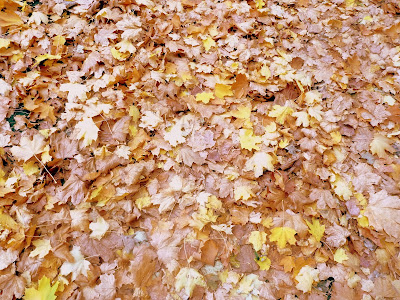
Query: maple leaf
(7, 257)
(79, 266)
(208, 43)
(240, 86)
(282, 236)
(316, 229)
(29, 147)
(30, 168)
(44, 57)
(383, 213)
(280, 113)
(222, 90)
(188, 278)
(263, 262)
(45, 290)
(5, 88)
(43, 247)
(340, 255)
(87, 130)
(306, 277)
(204, 97)
(257, 239)
(248, 140)
(288, 263)
(380, 144)
(98, 228)
(259, 162)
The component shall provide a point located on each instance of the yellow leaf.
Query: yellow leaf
(282, 236)
(363, 222)
(243, 112)
(59, 40)
(44, 57)
(267, 222)
(340, 255)
(188, 278)
(30, 168)
(4, 43)
(204, 97)
(259, 4)
(222, 90)
(43, 247)
(380, 144)
(257, 239)
(143, 202)
(306, 277)
(202, 217)
(265, 71)
(8, 222)
(134, 113)
(316, 229)
(208, 43)
(259, 162)
(336, 137)
(243, 192)
(341, 187)
(280, 113)
(248, 140)
(263, 262)
(119, 55)
(45, 291)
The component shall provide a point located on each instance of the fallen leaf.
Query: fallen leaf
(223, 90)
(316, 229)
(257, 239)
(44, 291)
(283, 236)
(188, 278)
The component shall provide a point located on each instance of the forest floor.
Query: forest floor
(199, 149)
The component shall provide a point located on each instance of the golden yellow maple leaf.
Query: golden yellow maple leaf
(248, 140)
(316, 229)
(263, 262)
(222, 90)
(45, 290)
(257, 239)
(340, 255)
(280, 113)
(204, 97)
(208, 43)
(283, 236)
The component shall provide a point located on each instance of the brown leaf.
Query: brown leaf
(10, 286)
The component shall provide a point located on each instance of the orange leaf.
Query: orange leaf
(9, 18)
(208, 252)
(241, 86)
(288, 263)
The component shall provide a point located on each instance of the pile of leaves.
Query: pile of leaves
(199, 149)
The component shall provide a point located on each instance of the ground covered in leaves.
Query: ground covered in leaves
(199, 149)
